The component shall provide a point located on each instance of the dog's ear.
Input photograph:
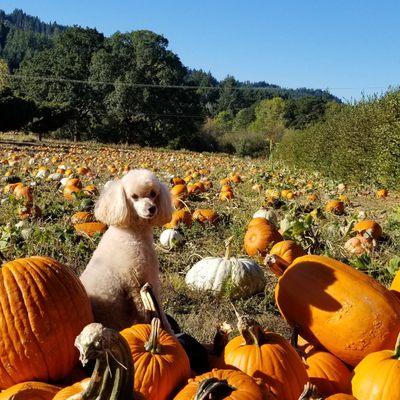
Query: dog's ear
(164, 206)
(112, 207)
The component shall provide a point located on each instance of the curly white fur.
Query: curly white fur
(125, 258)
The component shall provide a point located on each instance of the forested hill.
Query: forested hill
(74, 82)
(18, 19)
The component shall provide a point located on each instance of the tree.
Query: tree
(151, 114)
(67, 61)
(4, 75)
(244, 118)
(269, 118)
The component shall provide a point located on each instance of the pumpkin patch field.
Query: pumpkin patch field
(291, 281)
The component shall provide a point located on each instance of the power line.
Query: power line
(183, 87)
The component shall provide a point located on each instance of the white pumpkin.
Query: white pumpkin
(170, 238)
(240, 277)
(269, 215)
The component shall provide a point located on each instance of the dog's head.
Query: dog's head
(137, 197)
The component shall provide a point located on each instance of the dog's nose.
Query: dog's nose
(152, 210)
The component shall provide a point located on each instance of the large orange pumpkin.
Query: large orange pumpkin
(261, 235)
(377, 376)
(338, 307)
(30, 391)
(235, 385)
(204, 215)
(160, 362)
(44, 307)
(268, 356)
(182, 216)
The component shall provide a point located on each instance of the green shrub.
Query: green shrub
(356, 142)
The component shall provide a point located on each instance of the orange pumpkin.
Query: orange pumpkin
(70, 192)
(69, 391)
(230, 382)
(335, 207)
(327, 373)
(382, 193)
(160, 362)
(261, 235)
(368, 227)
(182, 216)
(30, 391)
(82, 216)
(23, 193)
(226, 195)
(288, 250)
(341, 396)
(337, 307)
(267, 356)
(377, 376)
(40, 320)
(204, 215)
(179, 190)
(90, 228)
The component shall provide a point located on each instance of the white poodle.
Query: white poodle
(125, 258)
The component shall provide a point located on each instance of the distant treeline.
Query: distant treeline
(73, 82)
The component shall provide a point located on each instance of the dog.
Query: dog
(125, 258)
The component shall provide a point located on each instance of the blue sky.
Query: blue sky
(351, 47)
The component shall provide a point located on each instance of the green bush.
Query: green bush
(358, 142)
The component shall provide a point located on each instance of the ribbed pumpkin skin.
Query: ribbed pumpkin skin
(43, 308)
(328, 373)
(247, 388)
(69, 391)
(288, 250)
(261, 235)
(338, 307)
(377, 377)
(341, 396)
(30, 391)
(275, 362)
(157, 376)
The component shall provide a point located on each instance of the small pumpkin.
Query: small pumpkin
(179, 190)
(335, 207)
(226, 195)
(260, 236)
(358, 245)
(369, 228)
(160, 362)
(288, 250)
(268, 356)
(81, 217)
(240, 277)
(170, 238)
(182, 216)
(205, 215)
(225, 384)
(377, 376)
(90, 228)
(382, 193)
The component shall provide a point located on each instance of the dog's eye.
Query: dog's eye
(135, 197)
(152, 193)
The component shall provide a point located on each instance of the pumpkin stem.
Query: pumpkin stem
(151, 305)
(228, 247)
(221, 338)
(152, 345)
(213, 389)
(397, 348)
(251, 331)
(112, 378)
(276, 263)
(309, 392)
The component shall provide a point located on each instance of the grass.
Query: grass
(197, 313)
